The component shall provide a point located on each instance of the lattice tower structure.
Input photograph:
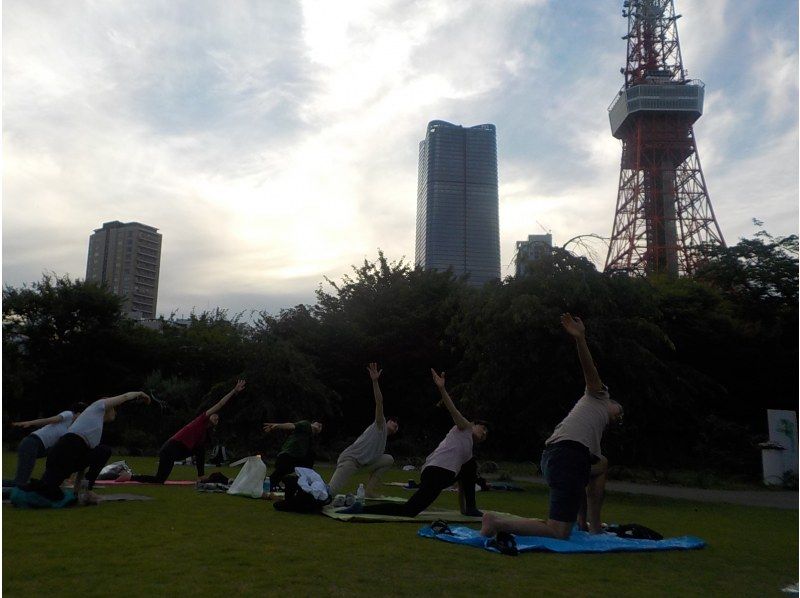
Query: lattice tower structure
(663, 216)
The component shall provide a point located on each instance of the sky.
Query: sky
(274, 143)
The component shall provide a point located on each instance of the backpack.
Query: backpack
(634, 531)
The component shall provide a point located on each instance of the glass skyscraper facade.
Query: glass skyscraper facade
(457, 201)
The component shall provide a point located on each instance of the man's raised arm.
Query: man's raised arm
(575, 328)
(128, 396)
(270, 427)
(459, 420)
(374, 374)
(221, 403)
(36, 423)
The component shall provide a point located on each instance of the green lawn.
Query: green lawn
(190, 543)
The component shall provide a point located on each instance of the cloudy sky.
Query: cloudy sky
(273, 143)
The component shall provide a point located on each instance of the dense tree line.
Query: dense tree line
(695, 361)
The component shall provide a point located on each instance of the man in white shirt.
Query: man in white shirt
(572, 462)
(367, 451)
(38, 443)
(80, 448)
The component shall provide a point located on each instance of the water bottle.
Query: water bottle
(360, 494)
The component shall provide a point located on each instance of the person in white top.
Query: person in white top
(451, 461)
(572, 463)
(38, 443)
(367, 451)
(80, 448)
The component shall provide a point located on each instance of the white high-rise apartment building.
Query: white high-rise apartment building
(126, 257)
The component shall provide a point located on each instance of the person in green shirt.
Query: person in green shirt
(296, 450)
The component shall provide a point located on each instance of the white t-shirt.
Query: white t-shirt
(89, 424)
(368, 447)
(586, 422)
(453, 451)
(50, 433)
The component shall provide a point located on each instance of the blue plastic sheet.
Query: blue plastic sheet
(578, 542)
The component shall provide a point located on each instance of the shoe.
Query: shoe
(354, 509)
(473, 512)
(504, 543)
(441, 527)
(338, 500)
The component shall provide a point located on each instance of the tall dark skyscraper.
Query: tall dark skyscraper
(457, 201)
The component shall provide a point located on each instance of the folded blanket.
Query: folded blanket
(577, 542)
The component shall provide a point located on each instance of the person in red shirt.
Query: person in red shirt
(189, 440)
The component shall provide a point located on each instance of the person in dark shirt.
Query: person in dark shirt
(296, 450)
(189, 440)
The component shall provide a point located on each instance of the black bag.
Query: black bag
(298, 500)
(634, 531)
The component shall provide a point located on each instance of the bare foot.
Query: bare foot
(489, 524)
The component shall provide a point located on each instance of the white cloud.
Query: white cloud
(275, 143)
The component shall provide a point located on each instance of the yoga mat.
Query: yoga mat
(578, 542)
(132, 483)
(110, 498)
(122, 497)
(430, 514)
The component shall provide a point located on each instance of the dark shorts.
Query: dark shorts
(566, 466)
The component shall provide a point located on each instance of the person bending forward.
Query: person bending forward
(451, 461)
(80, 448)
(38, 443)
(572, 463)
(367, 451)
(296, 451)
(189, 440)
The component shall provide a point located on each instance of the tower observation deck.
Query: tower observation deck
(663, 216)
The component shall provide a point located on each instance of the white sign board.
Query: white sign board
(780, 464)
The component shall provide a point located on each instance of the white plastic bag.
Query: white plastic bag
(113, 470)
(250, 481)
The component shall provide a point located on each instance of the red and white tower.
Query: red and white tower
(663, 211)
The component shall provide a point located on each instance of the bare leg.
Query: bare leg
(595, 493)
(551, 528)
(582, 525)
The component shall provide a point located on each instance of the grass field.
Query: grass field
(189, 543)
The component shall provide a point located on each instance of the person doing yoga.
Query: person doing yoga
(451, 461)
(80, 448)
(367, 452)
(37, 444)
(297, 451)
(572, 463)
(190, 440)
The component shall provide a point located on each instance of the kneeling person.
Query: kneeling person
(296, 451)
(367, 451)
(452, 461)
(80, 448)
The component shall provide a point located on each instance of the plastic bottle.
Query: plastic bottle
(360, 494)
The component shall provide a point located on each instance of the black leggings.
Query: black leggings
(431, 483)
(285, 464)
(69, 455)
(172, 451)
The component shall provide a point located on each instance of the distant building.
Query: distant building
(126, 257)
(457, 201)
(535, 248)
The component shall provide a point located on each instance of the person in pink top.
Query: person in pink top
(450, 462)
(189, 440)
